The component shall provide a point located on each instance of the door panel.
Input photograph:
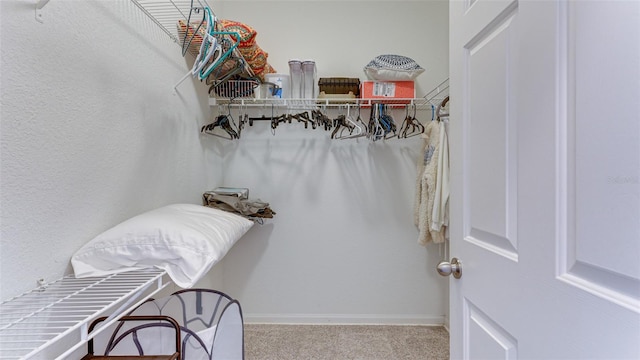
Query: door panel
(491, 195)
(488, 177)
(484, 338)
(545, 179)
(602, 155)
(481, 16)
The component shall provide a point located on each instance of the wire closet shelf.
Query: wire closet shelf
(166, 13)
(432, 99)
(32, 323)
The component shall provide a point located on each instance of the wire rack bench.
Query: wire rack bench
(32, 324)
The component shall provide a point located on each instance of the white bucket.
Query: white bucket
(282, 81)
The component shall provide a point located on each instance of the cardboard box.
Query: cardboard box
(401, 91)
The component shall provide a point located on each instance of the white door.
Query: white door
(545, 158)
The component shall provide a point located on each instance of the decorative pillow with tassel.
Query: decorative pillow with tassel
(393, 68)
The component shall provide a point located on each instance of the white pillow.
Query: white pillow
(393, 68)
(186, 240)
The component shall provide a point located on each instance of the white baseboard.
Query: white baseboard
(446, 326)
(344, 319)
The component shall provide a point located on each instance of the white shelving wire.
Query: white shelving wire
(31, 323)
(166, 13)
(310, 104)
(438, 94)
(433, 98)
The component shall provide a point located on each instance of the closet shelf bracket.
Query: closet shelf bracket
(39, 5)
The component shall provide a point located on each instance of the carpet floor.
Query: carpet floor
(345, 342)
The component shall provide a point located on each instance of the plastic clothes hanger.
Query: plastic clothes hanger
(204, 73)
(361, 122)
(211, 51)
(376, 129)
(339, 125)
(226, 123)
(321, 119)
(342, 125)
(209, 47)
(387, 122)
(417, 122)
(353, 125)
(413, 126)
(244, 118)
(185, 43)
(304, 118)
(406, 123)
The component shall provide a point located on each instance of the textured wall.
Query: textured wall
(91, 131)
(343, 246)
(91, 134)
(343, 36)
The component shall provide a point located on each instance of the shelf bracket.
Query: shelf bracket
(39, 5)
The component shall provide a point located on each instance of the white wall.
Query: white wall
(91, 133)
(343, 246)
(343, 36)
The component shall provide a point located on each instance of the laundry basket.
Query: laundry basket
(211, 327)
(145, 326)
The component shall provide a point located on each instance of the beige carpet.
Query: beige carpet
(342, 342)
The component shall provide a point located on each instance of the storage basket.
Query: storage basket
(209, 324)
(235, 89)
(339, 85)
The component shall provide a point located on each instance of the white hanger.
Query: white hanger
(209, 45)
(357, 128)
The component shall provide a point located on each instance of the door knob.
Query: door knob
(454, 267)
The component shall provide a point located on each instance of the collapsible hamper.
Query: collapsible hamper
(140, 326)
(210, 322)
